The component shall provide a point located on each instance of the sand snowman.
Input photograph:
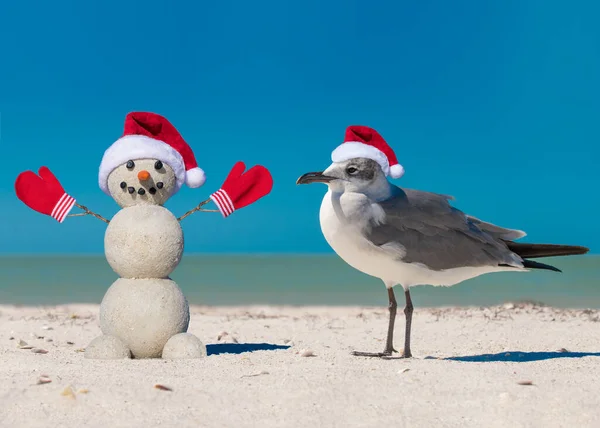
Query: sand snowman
(144, 313)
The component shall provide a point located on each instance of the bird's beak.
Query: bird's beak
(314, 177)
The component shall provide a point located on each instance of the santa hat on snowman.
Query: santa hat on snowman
(149, 135)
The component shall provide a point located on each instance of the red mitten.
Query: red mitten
(44, 194)
(242, 188)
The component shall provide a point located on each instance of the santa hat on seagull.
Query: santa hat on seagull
(151, 136)
(365, 142)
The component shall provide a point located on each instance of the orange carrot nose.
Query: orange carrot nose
(143, 175)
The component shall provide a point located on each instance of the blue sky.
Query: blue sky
(496, 103)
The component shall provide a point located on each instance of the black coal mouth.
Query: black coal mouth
(141, 190)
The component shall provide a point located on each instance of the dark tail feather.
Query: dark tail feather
(532, 251)
(530, 264)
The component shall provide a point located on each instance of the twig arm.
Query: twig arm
(86, 211)
(198, 208)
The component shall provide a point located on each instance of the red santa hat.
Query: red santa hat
(151, 136)
(365, 142)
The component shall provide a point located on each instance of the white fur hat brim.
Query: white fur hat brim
(132, 147)
(356, 149)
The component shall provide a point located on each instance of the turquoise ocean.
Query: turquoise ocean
(292, 280)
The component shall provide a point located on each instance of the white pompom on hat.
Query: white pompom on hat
(365, 142)
(151, 136)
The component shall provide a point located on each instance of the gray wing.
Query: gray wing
(434, 233)
(497, 231)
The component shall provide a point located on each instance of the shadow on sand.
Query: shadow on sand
(520, 357)
(240, 348)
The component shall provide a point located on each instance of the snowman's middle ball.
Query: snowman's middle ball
(143, 241)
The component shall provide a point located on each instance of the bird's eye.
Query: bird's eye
(130, 164)
(351, 170)
(158, 165)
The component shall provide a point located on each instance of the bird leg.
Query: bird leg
(198, 208)
(392, 307)
(389, 347)
(408, 311)
(389, 343)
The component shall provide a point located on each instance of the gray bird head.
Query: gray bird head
(358, 175)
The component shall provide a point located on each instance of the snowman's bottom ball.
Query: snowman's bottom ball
(144, 314)
(143, 241)
(107, 348)
(183, 346)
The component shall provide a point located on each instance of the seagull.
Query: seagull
(410, 237)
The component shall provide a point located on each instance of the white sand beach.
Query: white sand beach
(516, 365)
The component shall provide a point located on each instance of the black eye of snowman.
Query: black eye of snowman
(158, 165)
(130, 164)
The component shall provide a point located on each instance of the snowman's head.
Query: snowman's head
(142, 182)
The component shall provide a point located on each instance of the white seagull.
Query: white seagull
(409, 237)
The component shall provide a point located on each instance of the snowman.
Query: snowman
(144, 313)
